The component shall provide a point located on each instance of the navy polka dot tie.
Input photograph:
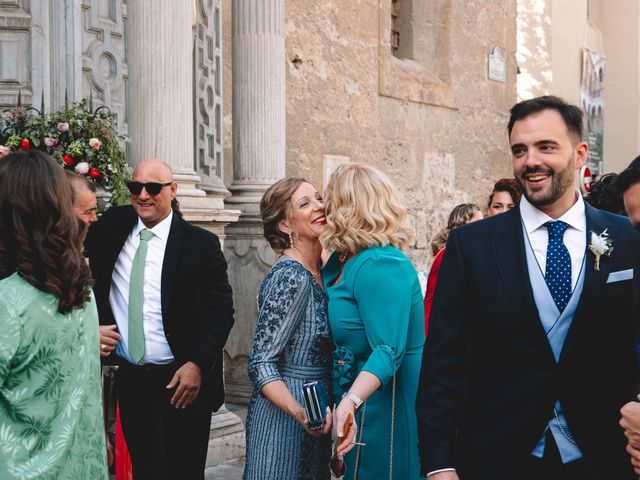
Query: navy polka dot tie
(558, 269)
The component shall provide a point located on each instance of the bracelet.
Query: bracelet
(355, 399)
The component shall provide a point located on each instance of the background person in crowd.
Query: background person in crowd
(461, 214)
(505, 195)
(51, 411)
(628, 184)
(377, 322)
(85, 202)
(292, 342)
(603, 194)
(163, 282)
(84, 209)
(531, 347)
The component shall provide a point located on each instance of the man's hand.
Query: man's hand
(188, 378)
(630, 422)
(109, 338)
(635, 458)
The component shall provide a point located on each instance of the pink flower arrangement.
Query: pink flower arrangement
(79, 139)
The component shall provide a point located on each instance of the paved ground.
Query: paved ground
(230, 470)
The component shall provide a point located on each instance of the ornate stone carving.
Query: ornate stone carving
(104, 68)
(249, 260)
(207, 80)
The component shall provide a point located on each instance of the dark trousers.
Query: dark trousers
(550, 466)
(165, 443)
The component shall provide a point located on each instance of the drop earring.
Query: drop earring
(290, 241)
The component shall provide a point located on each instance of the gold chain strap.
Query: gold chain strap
(393, 417)
(355, 472)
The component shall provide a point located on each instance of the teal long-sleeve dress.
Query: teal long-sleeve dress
(377, 320)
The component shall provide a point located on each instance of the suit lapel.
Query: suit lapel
(510, 255)
(171, 260)
(120, 235)
(594, 280)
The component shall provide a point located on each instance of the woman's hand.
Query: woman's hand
(344, 408)
(300, 415)
(326, 428)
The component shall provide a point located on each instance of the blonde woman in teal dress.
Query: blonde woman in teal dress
(51, 425)
(377, 322)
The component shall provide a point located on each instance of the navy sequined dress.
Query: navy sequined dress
(292, 343)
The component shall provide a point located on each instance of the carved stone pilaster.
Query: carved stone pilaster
(207, 107)
(249, 259)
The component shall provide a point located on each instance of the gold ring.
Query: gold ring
(102, 346)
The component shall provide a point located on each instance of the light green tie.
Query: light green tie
(136, 298)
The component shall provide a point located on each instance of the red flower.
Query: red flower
(94, 172)
(68, 160)
(24, 144)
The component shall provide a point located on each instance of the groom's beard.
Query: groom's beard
(561, 181)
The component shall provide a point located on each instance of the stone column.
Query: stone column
(258, 161)
(160, 93)
(161, 125)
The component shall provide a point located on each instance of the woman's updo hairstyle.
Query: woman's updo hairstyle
(274, 207)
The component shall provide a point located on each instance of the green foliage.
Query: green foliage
(78, 139)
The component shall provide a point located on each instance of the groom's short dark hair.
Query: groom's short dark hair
(571, 114)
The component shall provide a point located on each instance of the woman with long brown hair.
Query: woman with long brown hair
(51, 422)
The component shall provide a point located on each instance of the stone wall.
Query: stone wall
(437, 129)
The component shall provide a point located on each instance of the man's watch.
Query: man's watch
(355, 399)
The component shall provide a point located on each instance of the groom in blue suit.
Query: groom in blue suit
(531, 345)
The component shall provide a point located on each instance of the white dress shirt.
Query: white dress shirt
(156, 347)
(575, 239)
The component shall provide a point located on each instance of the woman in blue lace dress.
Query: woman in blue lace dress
(292, 343)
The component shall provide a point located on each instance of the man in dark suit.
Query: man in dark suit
(163, 283)
(531, 346)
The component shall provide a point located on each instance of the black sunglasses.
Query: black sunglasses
(152, 188)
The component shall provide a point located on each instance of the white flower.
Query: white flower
(4, 151)
(600, 245)
(63, 127)
(82, 168)
(95, 143)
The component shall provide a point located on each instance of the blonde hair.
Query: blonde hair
(363, 211)
(460, 215)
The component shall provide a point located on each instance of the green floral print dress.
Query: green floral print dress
(51, 424)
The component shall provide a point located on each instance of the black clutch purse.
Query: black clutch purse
(316, 402)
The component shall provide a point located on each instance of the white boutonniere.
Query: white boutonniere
(600, 245)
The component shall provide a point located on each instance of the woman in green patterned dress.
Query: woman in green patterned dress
(51, 425)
